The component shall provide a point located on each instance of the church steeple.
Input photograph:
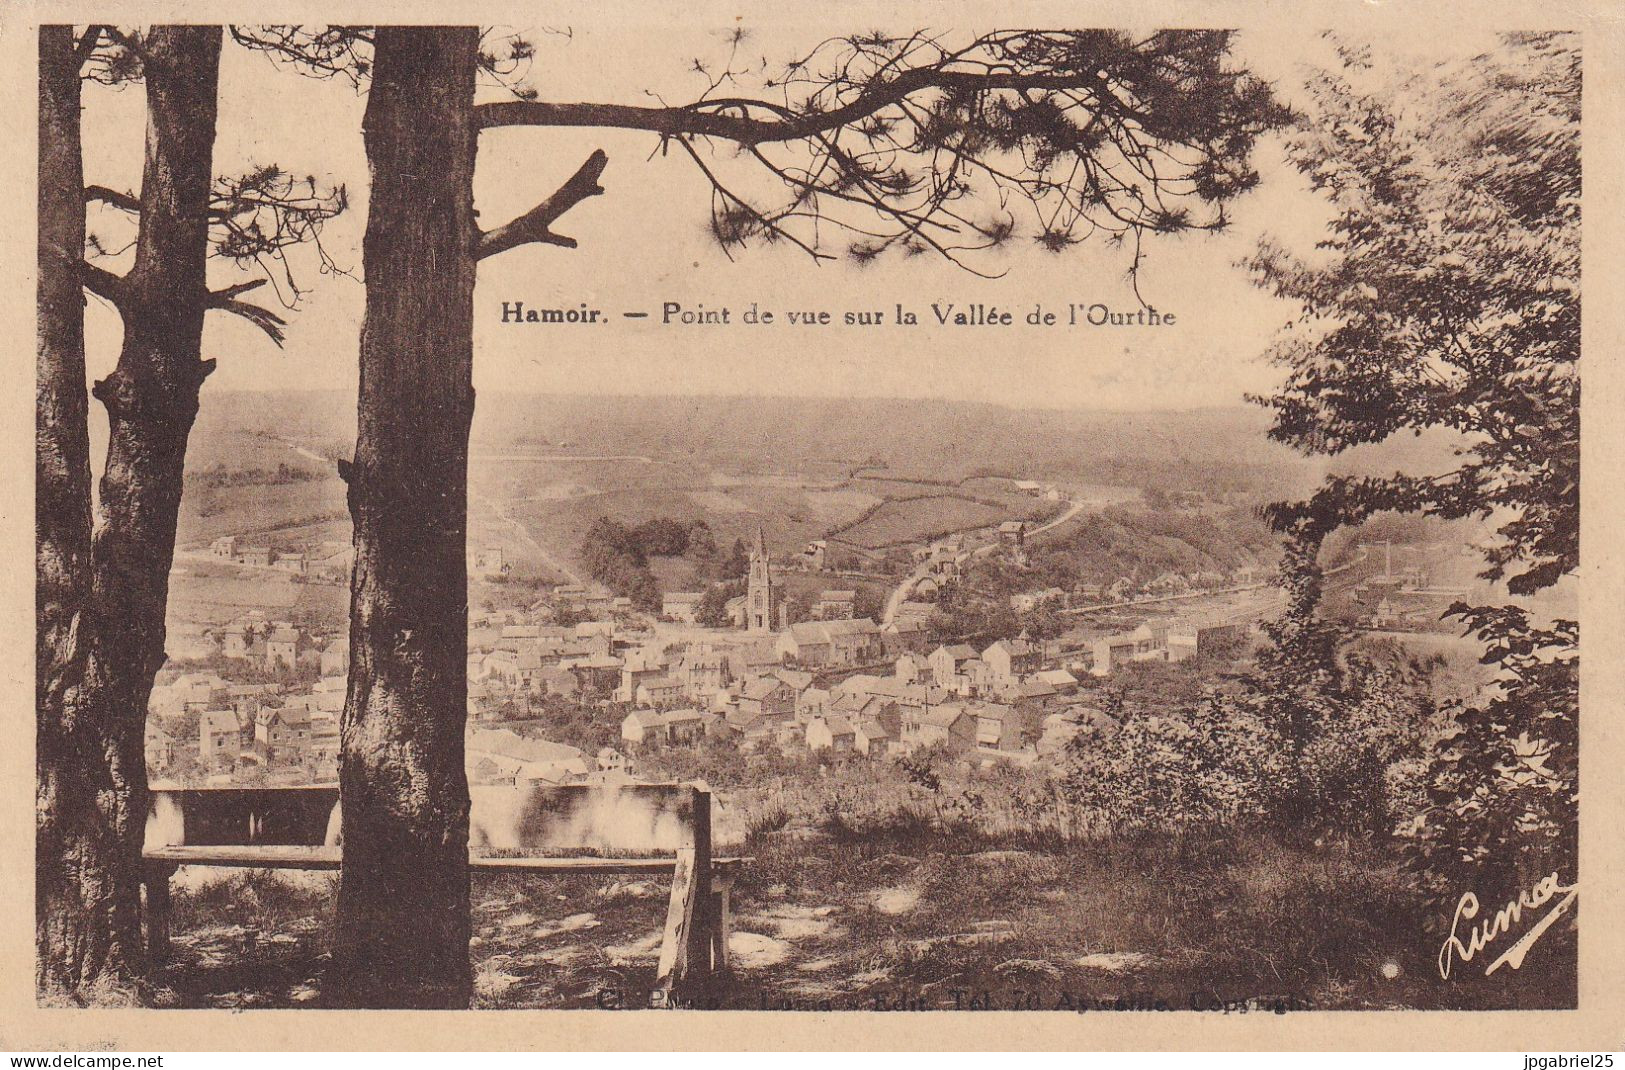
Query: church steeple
(761, 600)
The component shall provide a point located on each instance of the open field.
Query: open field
(204, 591)
(862, 514)
(264, 511)
(901, 522)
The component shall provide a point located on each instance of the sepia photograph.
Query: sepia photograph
(832, 512)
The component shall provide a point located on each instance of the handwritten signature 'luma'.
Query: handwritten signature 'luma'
(1481, 935)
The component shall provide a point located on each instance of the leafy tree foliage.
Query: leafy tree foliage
(738, 561)
(713, 607)
(1198, 769)
(1502, 785)
(662, 537)
(1446, 297)
(618, 556)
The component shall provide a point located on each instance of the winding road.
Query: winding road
(894, 603)
(548, 558)
(900, 595)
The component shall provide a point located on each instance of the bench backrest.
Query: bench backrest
(641, 818)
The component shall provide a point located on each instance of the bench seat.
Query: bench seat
(290, 828)
(330, 858)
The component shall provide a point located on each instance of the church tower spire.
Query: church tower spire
(761, 600)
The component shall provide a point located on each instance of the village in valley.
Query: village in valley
(759, 608)
(257, 700)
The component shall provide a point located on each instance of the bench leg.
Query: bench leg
(156, 880)
(723, 928)
(680, 921)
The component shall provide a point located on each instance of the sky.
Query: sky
(644, 243)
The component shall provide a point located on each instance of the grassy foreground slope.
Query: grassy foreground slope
(903, 916)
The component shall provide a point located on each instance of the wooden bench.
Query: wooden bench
(664, 828)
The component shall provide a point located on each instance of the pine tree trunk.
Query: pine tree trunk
(92, 767)
(403, 912)
(70, 945)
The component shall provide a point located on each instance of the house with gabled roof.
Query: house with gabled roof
(831, 643)
(812, 701)
(681, 605)
(282, 647)
(857, 684)
(499, 755)
(947, 664)
(643, 726)
(683, 727)
(947, 723)
(280, 732)
(835, 605)
(1144, 643)
(1011, 659)
(906, 634)
(875, 737)
(799, 679)
(502, 665)
(1002, 727)
(916, 611)
(688, 726)
(518, 637)
(911, 668)
(832, 732)
(854, 642)
(196, 687)
(159, 746)
(658, 692)
(805, 643)
(1058, 680)
(766, 696)
(220, 738)
(637, 671)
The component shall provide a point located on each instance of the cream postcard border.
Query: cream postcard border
(24, 1027)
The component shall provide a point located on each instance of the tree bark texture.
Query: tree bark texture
(403, 913)
(70, 947)
(92, 792)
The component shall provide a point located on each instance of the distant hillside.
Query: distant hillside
(1165, 491)
(1220, 450)
(1217, 449)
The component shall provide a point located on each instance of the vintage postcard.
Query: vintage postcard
(782, 526)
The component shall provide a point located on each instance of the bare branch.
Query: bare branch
(915, 142)
(317, 52)
(130, 41)
(86, 45)
(256, 217)
(697, 120)
(127, 202)
(254, 220)
(263, 318)
(101, 282)
(110, 56)
(536, 224)
(232, 291)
